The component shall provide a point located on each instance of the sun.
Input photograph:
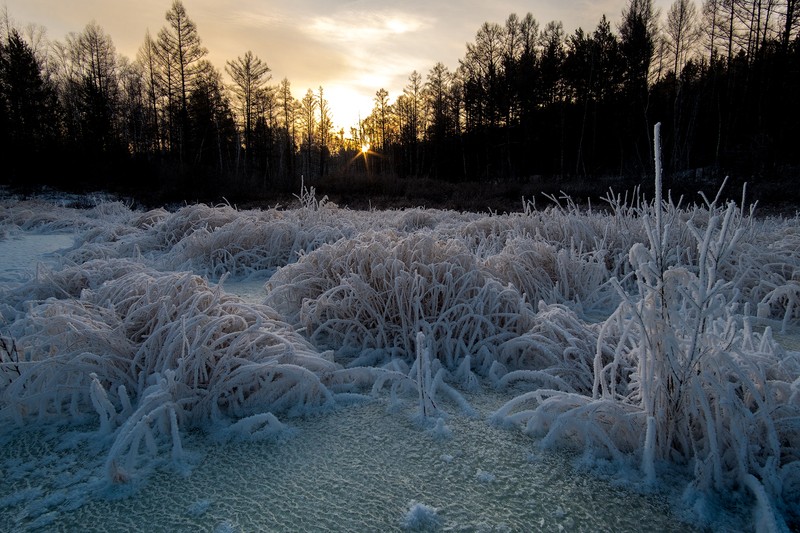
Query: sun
(365, 148)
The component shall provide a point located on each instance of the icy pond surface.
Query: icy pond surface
(359, 469)
(20, 254)
(251, 291)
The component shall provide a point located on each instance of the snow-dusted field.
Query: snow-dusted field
(317, 367)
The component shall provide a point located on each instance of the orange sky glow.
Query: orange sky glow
(350, 48)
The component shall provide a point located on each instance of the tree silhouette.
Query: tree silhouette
(28, 110)
(249, 76)
(180, 50)
(525, 107)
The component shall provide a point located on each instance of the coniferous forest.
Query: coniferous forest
(531, 106)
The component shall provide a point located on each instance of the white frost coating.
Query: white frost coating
(424, 382)
(678, 375)
(420, 517)
(623, 332)
(484, 477)
(648, 453)
(378, 290)
(766, 519)
(254, 427)
(440, 430)
(102, 405)
(190, 356)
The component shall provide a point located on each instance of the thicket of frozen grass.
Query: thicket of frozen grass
(636, 331)
(376, 291)
(152, 355)
(681, 378)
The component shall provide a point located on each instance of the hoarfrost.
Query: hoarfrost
(420, 517)
(641, 335)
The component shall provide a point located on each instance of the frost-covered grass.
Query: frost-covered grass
(639, 335)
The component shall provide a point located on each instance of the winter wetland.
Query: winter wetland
(624, 368)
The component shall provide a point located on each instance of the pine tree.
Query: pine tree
(180, 51)
(249, 75)
(28, 114)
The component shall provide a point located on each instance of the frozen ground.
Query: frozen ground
(358, 469)
(20, 255)
(384, 383)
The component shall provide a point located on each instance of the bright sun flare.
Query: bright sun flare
(365, 148)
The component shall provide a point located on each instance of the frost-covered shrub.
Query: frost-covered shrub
(772, 281)
(377, 291)
(155, 353)
(680, 377)
(247, 245)
(556, 353)
(542, 271)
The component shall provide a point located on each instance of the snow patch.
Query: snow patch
(420, 517)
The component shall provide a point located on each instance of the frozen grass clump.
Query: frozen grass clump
(378, 290)
(773, 283)
(65, 283)
(416, 219)
(250, 244)
(153, 354)
(179, 225)
(39, 216)
(487, 235)
(545, 272)
(681, 379)
(421, 517)
(556, 353)
(210, 241)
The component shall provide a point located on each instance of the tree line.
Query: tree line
(76, 114)
(526, 102)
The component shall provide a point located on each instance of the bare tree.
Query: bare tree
(752, 24)
(681, 32)
(94, 58)
(638, 37)
(148, 60)
(287, 104)
(249, 75)
(791, 20)
(325, 120)
(712, 26)
(381, 110)
(181, 48)
(92, 90)
(437, 87)
(552, 61)
(325, 127)
(483, 67)
(413, 92)
(308, 121)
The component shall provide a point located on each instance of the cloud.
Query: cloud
(364, 28)
(258, 19)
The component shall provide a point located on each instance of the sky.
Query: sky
(350, 48)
